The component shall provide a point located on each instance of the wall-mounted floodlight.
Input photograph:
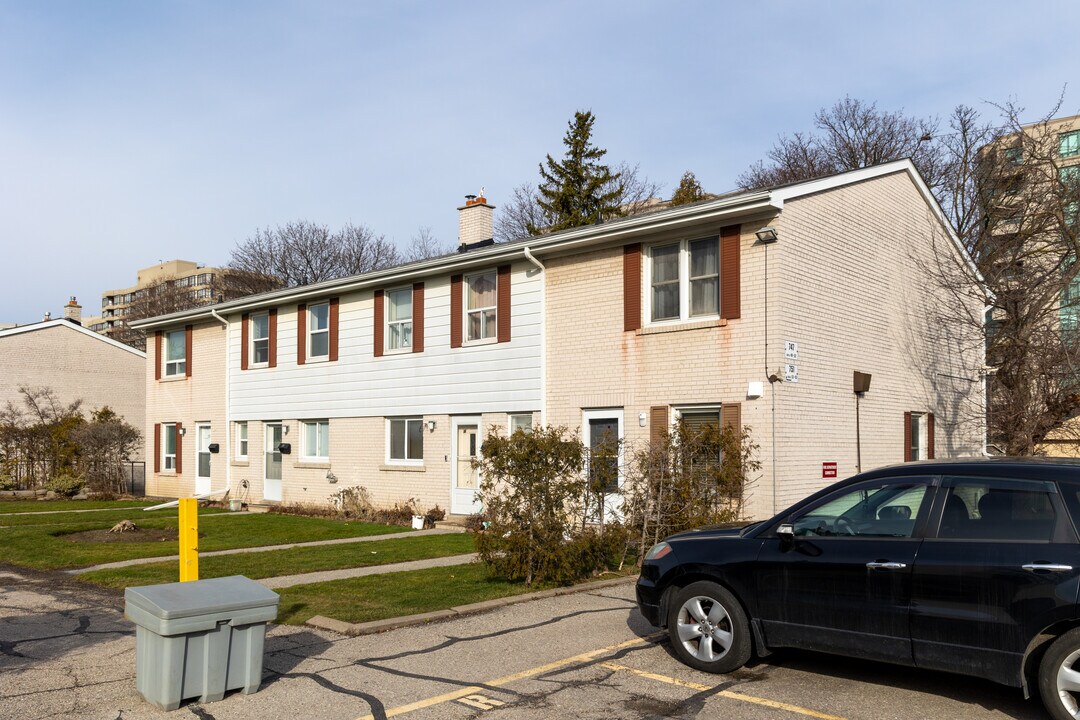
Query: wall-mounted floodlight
(766, 235)
(431, 425)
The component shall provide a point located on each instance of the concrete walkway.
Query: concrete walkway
(284, 581)
(268, 548)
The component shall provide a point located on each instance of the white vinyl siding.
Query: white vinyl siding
(438, 381)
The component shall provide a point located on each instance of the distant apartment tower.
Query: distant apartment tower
(191, 278)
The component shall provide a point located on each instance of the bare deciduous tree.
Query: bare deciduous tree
(302, 252)
(852, 134)
(425, 245)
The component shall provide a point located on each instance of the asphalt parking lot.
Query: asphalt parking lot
(66, 651)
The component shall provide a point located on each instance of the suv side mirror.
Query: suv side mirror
(786, 532)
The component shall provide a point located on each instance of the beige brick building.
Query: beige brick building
(77, 364)
(754, 309)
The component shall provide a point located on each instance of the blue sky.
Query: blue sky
(133, 132)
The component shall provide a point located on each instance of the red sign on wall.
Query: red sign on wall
(828, 469)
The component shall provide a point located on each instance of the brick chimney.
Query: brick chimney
(475, 220)
(73, 311)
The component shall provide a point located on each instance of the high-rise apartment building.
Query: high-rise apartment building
(176, 277)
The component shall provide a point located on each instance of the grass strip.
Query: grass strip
(274, 563)
(377, 597)
(21, 506)
(105, 518)
(45, 546)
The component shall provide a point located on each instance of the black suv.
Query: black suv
(967, 566)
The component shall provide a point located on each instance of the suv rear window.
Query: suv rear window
(979, 509)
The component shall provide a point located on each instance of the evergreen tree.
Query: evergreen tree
(689, 190)
(580, 189)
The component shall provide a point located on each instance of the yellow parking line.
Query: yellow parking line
(722, 693)
(506, 680)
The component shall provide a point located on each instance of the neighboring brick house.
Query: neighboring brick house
(76, 364)
(389, 379)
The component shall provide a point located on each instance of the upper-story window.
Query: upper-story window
(1069, 144)
(399, 315)
(1014, 155)
(175, 353)
(481, 306)
(318, 323)
(684, 280)
(260, 339)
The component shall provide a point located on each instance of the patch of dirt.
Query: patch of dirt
(141, 535)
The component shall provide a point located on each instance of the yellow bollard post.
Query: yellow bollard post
(189, 539)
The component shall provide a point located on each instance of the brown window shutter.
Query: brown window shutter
(179, 448)
(272, 344)
(157, 355)
(658, 424)
(301, 334)
(418, 317)
(731, 416)
(333, 329)
(502, 304)
(187, 350)
(455, 311)
(379, 342)
(157, 447)
(907, 437)
(631, 283)
(930, 436)
(730, 274)
(244, 341)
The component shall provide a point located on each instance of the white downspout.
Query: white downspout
(543, 334)
(228, 422)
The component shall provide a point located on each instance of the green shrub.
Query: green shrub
(65, 485)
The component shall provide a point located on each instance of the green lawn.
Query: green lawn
(43, 545)
(292, 562)
(21, 506)
(377, 597)
(106, 517)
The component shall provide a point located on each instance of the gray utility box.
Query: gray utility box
(199, 639)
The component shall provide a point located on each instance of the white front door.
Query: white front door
(603, 437)
(465, 479)
(202, 458)
(272, 463)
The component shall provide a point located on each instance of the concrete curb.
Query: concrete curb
(378, 626)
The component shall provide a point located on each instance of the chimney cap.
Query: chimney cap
(72, 301)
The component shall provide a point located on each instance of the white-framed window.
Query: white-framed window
(316, 438)
(175, 353)
(318, 329)
(522, 422)
(168, 446)
(684, 280)
(405, 440)
(399, 319)
(918, 436)
(260, 339)
(242, 440)
(480, 307)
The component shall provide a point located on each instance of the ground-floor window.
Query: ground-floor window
(316, 439)
(168, 446)
(406, 439)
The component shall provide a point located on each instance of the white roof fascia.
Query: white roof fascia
(592, 234)
(855, 176)
(78, 328)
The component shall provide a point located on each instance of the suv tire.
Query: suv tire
(1059, 676)
(708, 628)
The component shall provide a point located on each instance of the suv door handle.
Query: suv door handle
(887, 565)
(1046, 567)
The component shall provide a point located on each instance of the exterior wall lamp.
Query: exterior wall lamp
(766, 235)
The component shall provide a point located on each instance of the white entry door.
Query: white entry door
(202, 458)
(465, 480)
(272, 463)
